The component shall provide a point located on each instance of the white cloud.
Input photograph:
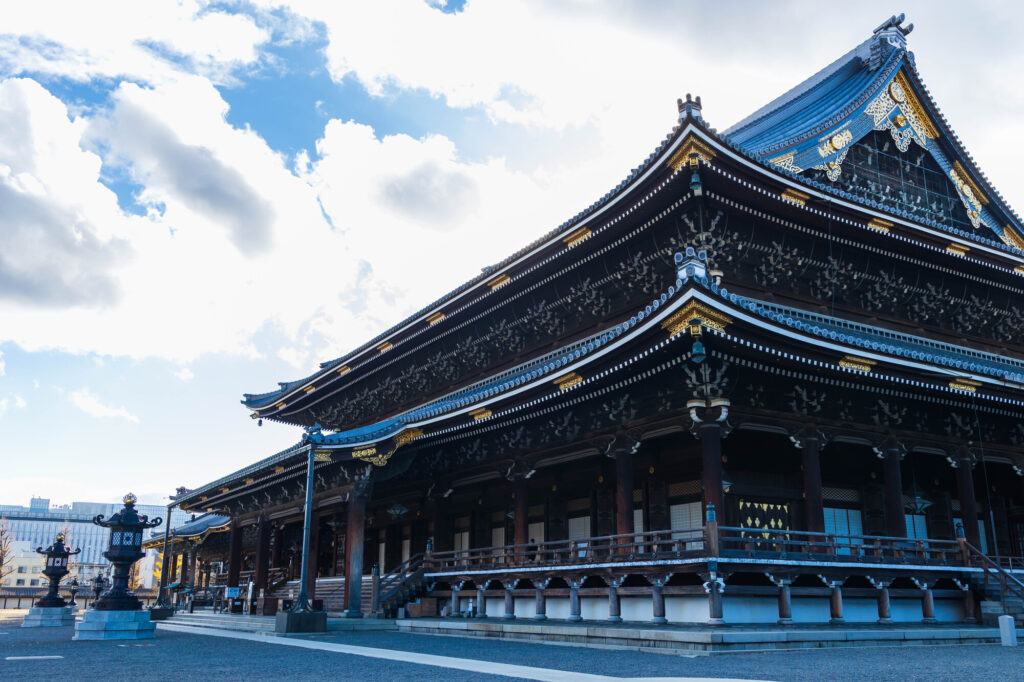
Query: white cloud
(185, 374)
(19, 402)
(90, 403)
(151, 41)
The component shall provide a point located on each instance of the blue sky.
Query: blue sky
(201, 199)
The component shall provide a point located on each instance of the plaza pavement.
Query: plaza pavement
(234, 656)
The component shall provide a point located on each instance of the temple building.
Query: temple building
(776, 374)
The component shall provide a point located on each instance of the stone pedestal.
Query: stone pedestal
(115, 625)
(49, 616)
(160, 612)
(310, 621)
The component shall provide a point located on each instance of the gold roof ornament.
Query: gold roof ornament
(690, 152)
(695, 311)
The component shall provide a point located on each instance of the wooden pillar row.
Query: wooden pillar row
(968, 502)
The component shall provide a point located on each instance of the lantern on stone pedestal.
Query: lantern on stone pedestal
(73, 589)
(117, 613)
(126, 527)
(52, 610)
(56, 568)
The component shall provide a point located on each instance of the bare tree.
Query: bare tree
(65, 530)
(6, 549)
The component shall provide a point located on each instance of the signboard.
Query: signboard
(232, 593)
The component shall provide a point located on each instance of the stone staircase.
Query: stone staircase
(224, 621)
(330, 590)
(201, 621)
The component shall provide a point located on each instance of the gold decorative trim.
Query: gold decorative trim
(1011, 238)
(795, 196)
(957, 249)
(310, 389)
(343, 370)
(435, 318)
(202, 498)
(278, 469)
(918, 111)
(965, 385)
(281, 405)
(385, 347)
(967, 180)
(365, 453)
(225, 490)
(321, 455)
(857, 364)
(690, 146)
(249, 481)
(785, 162)
(694, 310)
(568, 381)
(407, 436)
(1019, 269)
(480, 413)
(880, 225)
(499, 281)
(577, 236)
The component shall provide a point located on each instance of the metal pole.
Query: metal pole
(165, 560)
(302, 603)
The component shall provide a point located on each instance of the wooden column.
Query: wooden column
(614, 605)
(186, 559)
(658, 599)
(835, 602)
(510, 602)
(624, 491)
(262, 555)
(969, 605)
(711, 458)
(714, 589)
(968, 503)
(481, 600)
(896, 523)
(884, 611)
(314, 555)
(784, 598)
(521, 517)
(927, 603)
(456, 603)
(814, 505)
(574, 599)
(354, 544)
(541, 612)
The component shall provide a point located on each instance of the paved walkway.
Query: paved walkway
(397, 656)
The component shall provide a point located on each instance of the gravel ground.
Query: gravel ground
(187, 656)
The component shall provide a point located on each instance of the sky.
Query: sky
(201, 199)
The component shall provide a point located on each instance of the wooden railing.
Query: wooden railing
(397, 585)
(1007, 582)
(651, 545)
(751, 542)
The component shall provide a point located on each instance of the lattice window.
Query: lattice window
(909, 181)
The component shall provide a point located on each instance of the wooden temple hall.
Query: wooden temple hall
(776, 374)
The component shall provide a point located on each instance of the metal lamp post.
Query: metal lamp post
(302, 618)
